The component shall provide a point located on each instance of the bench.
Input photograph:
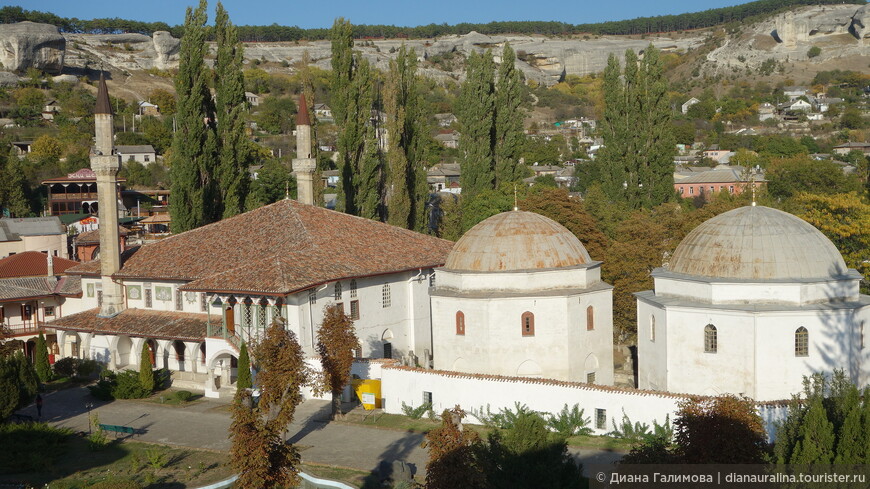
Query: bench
(129, 430)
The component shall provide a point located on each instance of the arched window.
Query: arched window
(590, 319)
(801, 342)
(652, 328)
(353, 289)
(460, 323)
(711, 343)
(528, 324)
(387, 300)
(338, 291)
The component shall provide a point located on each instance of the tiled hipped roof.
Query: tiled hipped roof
(37, 287)
(278, 249)
(139, 322)
(32, 264)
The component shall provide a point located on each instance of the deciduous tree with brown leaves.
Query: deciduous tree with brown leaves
(336, 341)
(452, 454)
(259, 452)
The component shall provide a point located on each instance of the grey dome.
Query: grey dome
(757, 243)
(516, 240)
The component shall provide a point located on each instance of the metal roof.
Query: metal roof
(514, 241)
(757, 243)
(34, 226)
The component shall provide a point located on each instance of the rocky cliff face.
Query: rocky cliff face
(839, 30)
(28, 44)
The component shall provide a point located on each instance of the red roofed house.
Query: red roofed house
(31, 295)
(193, 297)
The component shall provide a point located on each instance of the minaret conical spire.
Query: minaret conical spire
(104, 106)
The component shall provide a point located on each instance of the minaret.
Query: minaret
(304, 165)
(106, 163)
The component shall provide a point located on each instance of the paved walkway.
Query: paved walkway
(205, 424)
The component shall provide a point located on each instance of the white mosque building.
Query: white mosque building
(520, 296)
(751, 301)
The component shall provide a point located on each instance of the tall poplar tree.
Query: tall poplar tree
(12, 188)
(230, 108)
(636, 163)
(476, 105)
(307, 81)
(194, 146)
(509, 116)
(344, 107)
(407, 188)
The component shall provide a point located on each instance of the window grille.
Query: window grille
(353, 289)
(354, 310)
(386, 301)
(711, 340)
(203, 302)
(601, 419)
(148, 299)
(338, 291)
(528, 324)
(590, 378)
(801, 342)
(460, 323)
(590, 318)
(179, 304)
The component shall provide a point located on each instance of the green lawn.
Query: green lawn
(151, 465)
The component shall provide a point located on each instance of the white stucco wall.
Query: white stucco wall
(54, 244)
(493, 342)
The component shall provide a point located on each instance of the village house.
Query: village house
(846, 148)
(766, 111)
(322, 111)
(144, 153)
(252, 98)
(33, 292)
(709, 182)
(446, 119)
(448, 139)
(22, 148)
(689, 103)
(148, 109)
(76, 193)
(43, 234)
(50, 109)
(444, 177)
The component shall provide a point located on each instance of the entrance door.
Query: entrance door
(231, 320)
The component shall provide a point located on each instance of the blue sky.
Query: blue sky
(321, 13)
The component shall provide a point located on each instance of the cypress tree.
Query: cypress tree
(43, 368)
(815, 441)
(243, 380)
(476, 107)
(852, 439)
(658, 145)
(230, 108)
(146, 369)
(194, 146)
(509, 116)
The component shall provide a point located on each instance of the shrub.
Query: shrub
(66, 367)
(128, 386)
(505, 418)
(156, 458)
(102, 390)
(416, 412)
(86, 368)
(183, 396)
(569, 422)
(162, 378)
(630, 431)
(814, 51)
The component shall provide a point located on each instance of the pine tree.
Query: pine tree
(230, 109)
(194, 146)
(43, 368)
(243, 378)
(509, 116)
(146, 369)
(336, 341)
(636, 163)
(476, 105)
(815, 437)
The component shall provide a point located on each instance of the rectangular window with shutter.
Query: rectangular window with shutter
(179, 300)
(148, 298)
(354, 310)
